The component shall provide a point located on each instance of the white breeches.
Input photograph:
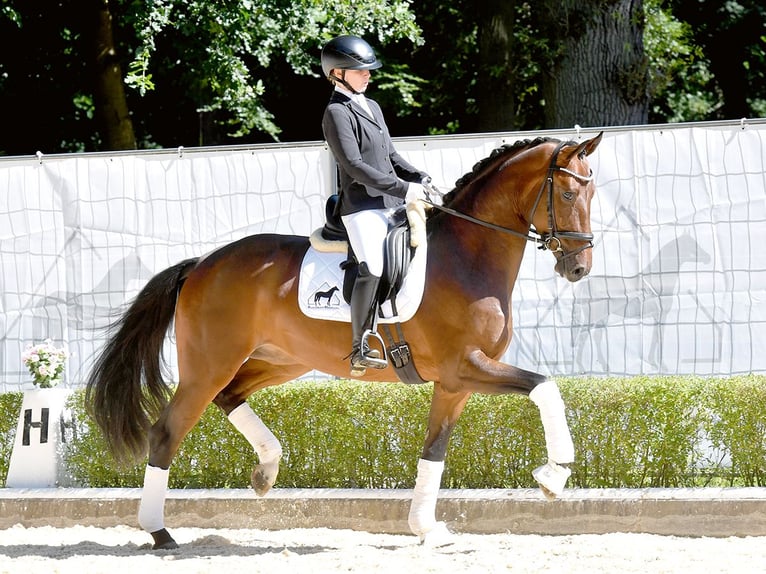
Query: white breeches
(367, 232)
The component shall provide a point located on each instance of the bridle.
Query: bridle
(550, 240)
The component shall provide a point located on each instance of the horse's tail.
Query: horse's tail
(125, 392)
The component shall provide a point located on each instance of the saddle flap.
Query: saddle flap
(398, 254)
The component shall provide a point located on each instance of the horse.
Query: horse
(239, 329)
(325, 295)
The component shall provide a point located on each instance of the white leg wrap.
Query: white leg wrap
(557, 438)
(263, 441)
(151, 510)
(422, 518)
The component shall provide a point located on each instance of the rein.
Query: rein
(546, 241)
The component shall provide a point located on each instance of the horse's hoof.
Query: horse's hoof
(551, 478)
(263, 477)
(163, 540)
(438, 536)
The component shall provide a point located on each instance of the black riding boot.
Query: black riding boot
(362, 302)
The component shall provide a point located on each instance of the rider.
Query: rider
(374, 179)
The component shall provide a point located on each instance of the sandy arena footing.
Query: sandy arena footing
(714, 512)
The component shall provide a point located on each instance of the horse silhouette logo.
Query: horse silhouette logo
(329, 296)
(647, 299)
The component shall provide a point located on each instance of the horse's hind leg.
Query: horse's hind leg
(254, 375)
(264, 443)
(179, 416)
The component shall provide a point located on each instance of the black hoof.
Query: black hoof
(163, 541)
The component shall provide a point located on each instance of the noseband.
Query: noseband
(550, 240)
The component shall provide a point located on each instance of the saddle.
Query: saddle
(398, 254)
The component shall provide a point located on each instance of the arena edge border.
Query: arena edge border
(715, 512)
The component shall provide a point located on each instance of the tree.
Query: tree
(245, 71)
(732, 34)
(198, 71)
(680, 82)
(110, 103)
(497, 48)
(599, 76)
(226, 54)
(45, 81)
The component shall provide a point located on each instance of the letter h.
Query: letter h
(42, 425)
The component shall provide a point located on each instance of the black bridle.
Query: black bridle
(550, 240)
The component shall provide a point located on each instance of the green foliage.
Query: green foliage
(10, 404)
(346, 434)
(497, 443)
(736, 428)
(628, 432)
(680, 82)
(634, 432)
(7, 11)
(240, 41)
(209, 73)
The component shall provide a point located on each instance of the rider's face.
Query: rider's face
(358, 79)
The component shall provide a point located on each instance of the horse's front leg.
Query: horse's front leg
(446, 408)
(481, 374)
(553, 476)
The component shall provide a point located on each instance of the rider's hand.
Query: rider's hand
(432, 193)
(415, 192)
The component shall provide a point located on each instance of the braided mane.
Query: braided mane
(481, 169)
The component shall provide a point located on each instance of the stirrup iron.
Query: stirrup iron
(361, 361)
(375, 362)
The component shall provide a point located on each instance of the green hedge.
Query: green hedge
(628, 432)
(10, 404)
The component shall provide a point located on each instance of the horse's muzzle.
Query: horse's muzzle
(573, 268)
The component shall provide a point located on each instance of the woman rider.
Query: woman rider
(374, 179)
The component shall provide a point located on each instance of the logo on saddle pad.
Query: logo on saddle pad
(320, 284)
(330, 297)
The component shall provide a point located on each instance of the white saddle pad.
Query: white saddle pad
(320, 288)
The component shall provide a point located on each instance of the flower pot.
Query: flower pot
(36, 459)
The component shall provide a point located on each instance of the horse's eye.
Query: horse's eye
(568, 195)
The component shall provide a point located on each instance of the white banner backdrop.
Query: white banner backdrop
(677, 285)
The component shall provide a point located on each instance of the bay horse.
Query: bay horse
(239, 328)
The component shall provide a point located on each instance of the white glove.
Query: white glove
(415, 192)
(432, 193)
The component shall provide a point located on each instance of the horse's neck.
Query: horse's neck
(484, 256)
(494, 254)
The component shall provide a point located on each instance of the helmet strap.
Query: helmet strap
(343, 81)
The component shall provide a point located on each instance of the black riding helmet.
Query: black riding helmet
(348, 53)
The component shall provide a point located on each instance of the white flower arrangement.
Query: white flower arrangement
(46, 363)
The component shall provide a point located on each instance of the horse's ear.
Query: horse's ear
(587, 147)
(592, 143)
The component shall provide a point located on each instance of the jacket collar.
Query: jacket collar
(339, 97)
